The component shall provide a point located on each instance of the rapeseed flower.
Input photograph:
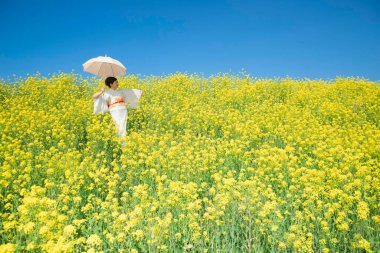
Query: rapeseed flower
(218, 163)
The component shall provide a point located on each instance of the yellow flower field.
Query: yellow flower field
(219, 164)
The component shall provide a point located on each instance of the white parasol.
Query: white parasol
(104, 66)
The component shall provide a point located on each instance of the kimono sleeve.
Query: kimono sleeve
(100, 104)
(132, 98)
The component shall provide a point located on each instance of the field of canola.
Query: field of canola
(218, 164)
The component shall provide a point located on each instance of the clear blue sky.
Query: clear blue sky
(311, 39)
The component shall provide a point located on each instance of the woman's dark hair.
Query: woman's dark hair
(109, 80)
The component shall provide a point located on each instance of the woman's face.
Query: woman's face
(114, 85)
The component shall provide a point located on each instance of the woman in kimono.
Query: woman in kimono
(114, 101)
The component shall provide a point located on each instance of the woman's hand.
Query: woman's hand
(97, 95)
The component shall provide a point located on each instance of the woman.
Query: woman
(113, 101)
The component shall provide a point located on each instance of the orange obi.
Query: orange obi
(117, 101)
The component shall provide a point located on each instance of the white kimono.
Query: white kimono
(117, 102)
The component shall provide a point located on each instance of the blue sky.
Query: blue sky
(300, 39)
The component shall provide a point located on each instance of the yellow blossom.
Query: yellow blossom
(363, 210)
(94, 240)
